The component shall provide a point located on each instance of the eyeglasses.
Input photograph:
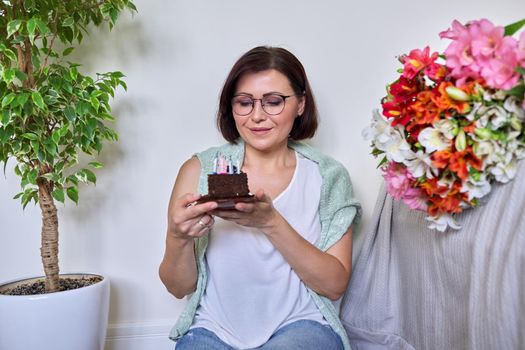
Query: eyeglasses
(272, 104)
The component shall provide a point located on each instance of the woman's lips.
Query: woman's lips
(260, 131)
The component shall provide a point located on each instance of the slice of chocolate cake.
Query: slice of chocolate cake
(227, 189)
(228, 185)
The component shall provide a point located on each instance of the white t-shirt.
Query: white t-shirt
(252, 291)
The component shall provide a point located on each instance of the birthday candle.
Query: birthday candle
(238, 166)
(230, 165)
(215, 163)
(222, 165)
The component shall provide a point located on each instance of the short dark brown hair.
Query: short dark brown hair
(259, 59)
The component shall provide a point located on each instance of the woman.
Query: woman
(265, 274)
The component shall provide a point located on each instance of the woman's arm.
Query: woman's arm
(327, 273)
(178, 269)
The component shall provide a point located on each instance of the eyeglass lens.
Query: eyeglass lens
(271, 104)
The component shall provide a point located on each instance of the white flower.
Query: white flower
(387, 139)
(472, 115)
(448, 127)
(379, 129)
(513, 105)
(496, 115)
(520, 152)
(476, 189)
(513, 143)
(505, 171)
(433, 140)
(398, 149)
(441, 222)
(421, 165)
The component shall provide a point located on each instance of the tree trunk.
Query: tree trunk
(49, 248)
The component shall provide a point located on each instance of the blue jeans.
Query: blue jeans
(299, 335)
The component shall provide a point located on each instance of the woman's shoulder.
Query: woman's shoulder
(327, 164)
(225, 148)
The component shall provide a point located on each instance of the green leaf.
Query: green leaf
(29, 4)
(514, 27)
(6, 101)
(113, 14)
(32, 175)
(68, 51)
(30, 136)
(58, 194)
(90, 176)
(517, 91)
(37, 99)
(520, 70)
(51, 148)
(9, 75)
(56, 136)
(10, 54)
(73, 72)
(70, 114)
(95, 103)
(107, 116)
(42, 27)
(13, 26)
(31, 26)
(72, 193)
(68, 22)
(63, 130)
(96, 165)
(18, 195)
(20, 75)
(6, 117)
(22, 99)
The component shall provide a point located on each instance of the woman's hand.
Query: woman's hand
(259, 214)
(188, 221)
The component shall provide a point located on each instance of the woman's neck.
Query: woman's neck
(280, 157)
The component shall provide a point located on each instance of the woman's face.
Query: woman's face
(261, 129)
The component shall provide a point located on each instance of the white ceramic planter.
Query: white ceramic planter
(71, 320)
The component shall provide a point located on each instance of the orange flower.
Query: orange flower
(459, 162)
(441, 159)
(449, 204)
(447, 104)
(424, 110)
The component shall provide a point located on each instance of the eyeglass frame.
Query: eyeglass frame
(284, 97)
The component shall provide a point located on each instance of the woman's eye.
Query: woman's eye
(273, 101)
(244, 102)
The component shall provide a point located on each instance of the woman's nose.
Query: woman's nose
(258, 113)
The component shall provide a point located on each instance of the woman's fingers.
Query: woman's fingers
(190, 219)
(201, 226)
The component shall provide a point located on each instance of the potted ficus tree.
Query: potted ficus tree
(50, 114)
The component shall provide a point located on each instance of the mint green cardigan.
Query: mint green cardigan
(338, 208)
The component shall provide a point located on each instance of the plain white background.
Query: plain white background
(176, 55)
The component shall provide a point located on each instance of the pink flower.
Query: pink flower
(481, 50)
(399, 183)
(486, 38)
(416, 61)
(415, 199)
(459, 53)
(521, 49)
(455, 32)
(398, 180)
(499, 71)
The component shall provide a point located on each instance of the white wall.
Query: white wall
(176, 55)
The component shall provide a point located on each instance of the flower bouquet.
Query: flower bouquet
(453, 124)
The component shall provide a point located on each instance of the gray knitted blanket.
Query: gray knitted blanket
(414, 288)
